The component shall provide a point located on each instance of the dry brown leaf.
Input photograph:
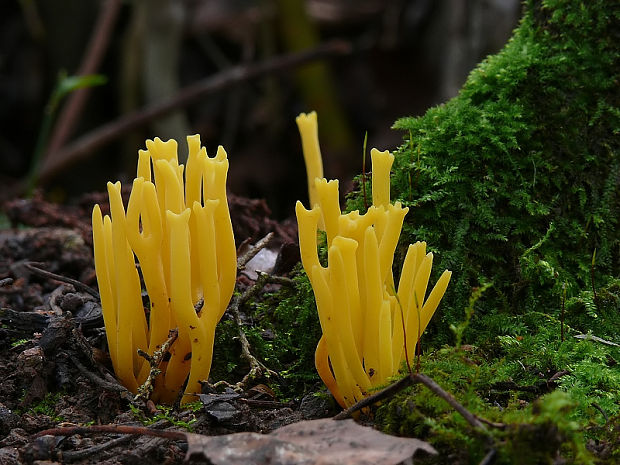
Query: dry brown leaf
(313, 442)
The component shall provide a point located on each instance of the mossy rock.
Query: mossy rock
(517, 179)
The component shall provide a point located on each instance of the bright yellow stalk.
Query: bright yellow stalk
(374, 301)
(102, 238)
(361, 318)
(178, 227)
(381, 166)
(309, 131)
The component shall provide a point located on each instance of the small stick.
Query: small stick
(54, 296)
(48, 274)
(114, 387)
(562, 315)
(256, 367)
(251, 253)
(113, 429)
(6, 282)
(490, 457)
(405, 382)
(592, 280)
(91, 60)
(598, 407)
(280, 280)
(376, 397)
(87, 144)
(439, 392)
(145, 391)
(73, 455)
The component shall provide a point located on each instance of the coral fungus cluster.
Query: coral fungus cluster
(177, 225)
(369, 326)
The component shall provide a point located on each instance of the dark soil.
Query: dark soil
(55, 368)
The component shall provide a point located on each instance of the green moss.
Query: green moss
(510, 381)
(296, 328)
(283, 331)
(167, 413)
(515, 181)
(47, 406)
(554, 396)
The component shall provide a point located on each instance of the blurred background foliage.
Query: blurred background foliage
(408, 55)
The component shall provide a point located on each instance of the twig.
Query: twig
(490, 457)
(280, 280)
(405, 382)
(91, 61)
(54, 296)
(439, 392)
(592, 280)
(73, 455)
(266, 403)
(376, 397)
(88, 144)
(598, 407)
(114, 429)
(6, 282)
(48, 274)
(592, 337)
(562, 314)
(253, 250)
(557, 376)
(114, 387)
(256, 367)
(493, 424)
(146, 389)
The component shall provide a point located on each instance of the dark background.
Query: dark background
(408, 55)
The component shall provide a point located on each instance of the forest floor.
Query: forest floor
(54, 367)
(56, 373)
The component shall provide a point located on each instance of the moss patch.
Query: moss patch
(283, 330)
(515, 181)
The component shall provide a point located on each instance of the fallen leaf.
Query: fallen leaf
(219, 406)
(313, 442)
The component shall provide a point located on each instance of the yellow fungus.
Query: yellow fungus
(177, 228)
(309, 131)
(361, 313)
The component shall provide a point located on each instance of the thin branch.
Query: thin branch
(253, 250)
(89, 143)
(257, 368)
(389, 391)
(490, 457)
(91, 61)
(146, 389)
(114, 387)
(48, 274)
(55, 296)
(439, 392)
(114, 429)
(599, 408)
(74, 455)
(408, 381)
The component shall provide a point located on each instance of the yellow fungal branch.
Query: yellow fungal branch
(359, 307)
(309, 131)
(177, 227)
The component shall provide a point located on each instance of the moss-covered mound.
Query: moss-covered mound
(517, 179)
